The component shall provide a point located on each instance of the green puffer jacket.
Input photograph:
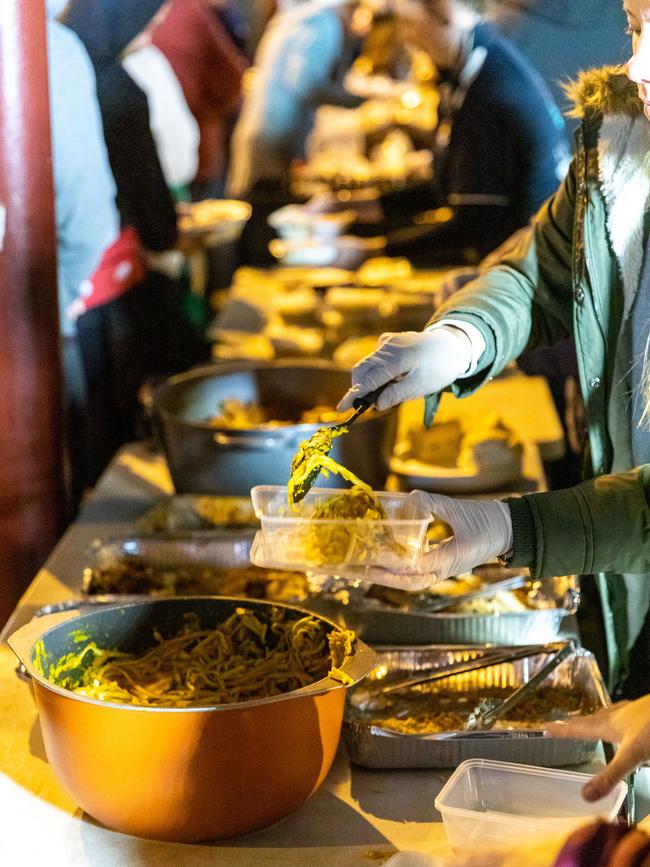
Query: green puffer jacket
(575, 272)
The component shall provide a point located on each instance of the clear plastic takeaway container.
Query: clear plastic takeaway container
(487, 802)
(292, 539)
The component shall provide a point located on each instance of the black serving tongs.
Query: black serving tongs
(321, 442)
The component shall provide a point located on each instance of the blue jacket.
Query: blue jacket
(563, 38)
(507, 152)
(87, 221)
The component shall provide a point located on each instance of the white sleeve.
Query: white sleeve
(474, 336)
(173, 126)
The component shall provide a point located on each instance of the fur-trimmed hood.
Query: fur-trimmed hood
(604, 91)
(608, 98)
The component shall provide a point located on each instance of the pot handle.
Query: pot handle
(23, 640)
(252, 443)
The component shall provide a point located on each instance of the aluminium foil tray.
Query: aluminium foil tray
(371, 746)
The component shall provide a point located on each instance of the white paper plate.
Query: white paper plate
(454, 480)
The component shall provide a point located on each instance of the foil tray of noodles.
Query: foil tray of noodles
(424, 725)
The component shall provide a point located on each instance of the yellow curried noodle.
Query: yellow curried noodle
(243, 658)
(312, 458)
(357, 532)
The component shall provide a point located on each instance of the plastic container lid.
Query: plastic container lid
(495, 803)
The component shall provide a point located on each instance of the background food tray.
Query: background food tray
(373, 747)
(185, 566)
(380, 623)
(225, 552)
(198, 513)
(377, 625)
(373, 620)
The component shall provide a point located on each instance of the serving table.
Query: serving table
(358, 818)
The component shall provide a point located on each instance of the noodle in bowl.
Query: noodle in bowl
(200, 772)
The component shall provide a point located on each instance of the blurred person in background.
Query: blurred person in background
(561, 39)
(500, 147)
(300, 64)
(173, 126)
(106, 28)
(144, 332)
(87, 221)
(209, 68)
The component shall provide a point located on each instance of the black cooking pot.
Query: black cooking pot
(218, 460)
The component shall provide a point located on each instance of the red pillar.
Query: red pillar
(31, 476)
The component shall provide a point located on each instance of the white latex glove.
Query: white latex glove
(416, 362)
(627, 724)
(482, 531)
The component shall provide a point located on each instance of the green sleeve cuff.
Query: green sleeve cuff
(564, 533)
(602, 525)
(523, 533)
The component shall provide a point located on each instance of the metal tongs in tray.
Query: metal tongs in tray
(440, 603)
(485, 715)
(489, 658)
(488, 712)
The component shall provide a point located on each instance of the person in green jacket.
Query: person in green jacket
(580, 269)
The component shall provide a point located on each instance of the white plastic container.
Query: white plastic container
(493, 803)
(292, 539)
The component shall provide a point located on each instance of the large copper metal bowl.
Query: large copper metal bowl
(183, 774)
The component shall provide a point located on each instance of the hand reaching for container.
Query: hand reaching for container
(415, 362)
(482, 530)
(626, 724)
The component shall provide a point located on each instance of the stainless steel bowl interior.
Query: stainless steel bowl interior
(207, 459)
(292, 387)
